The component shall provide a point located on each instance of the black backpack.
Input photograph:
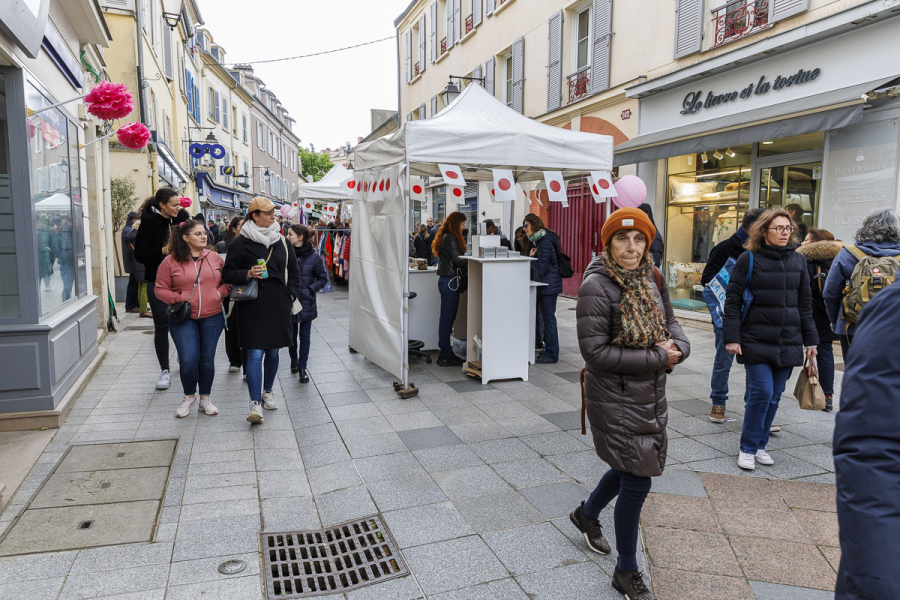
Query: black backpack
(563, 263)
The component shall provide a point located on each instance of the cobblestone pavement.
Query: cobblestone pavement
(475, 482)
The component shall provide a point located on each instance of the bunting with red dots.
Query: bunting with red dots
(308, 206)
(504, 185)
(452, 175)
(456, 194)
(556, 186)
(602, 185)
(416, 189)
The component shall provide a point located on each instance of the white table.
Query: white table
(499, 296)
(425, 308)
(532, 312)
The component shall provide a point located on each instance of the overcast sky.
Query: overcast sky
(330, 95)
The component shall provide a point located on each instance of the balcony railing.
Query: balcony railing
(417, 69)
(470, 23)
(579, 84)
(739, 19)
(443, 46)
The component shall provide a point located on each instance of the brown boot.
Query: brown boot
(631, 584)
(717, 414)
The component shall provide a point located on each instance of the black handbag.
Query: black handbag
(181, 311)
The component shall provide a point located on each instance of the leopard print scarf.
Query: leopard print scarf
(643, 324)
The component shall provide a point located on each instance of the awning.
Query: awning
(831, 110)
(217, 196)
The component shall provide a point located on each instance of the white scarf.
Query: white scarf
(264, 235)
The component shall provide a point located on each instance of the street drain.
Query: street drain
(302, 564)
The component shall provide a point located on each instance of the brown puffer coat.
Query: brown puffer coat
(625, 388)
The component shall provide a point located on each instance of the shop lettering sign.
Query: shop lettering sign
(694, 101)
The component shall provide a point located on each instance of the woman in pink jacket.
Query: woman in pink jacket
(196, 338)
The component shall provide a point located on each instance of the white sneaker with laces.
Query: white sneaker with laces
(255, 415)
(208, 407)
(775, 429)
(747, 461)
(185, 408)
(165, 378)
(268, 401)
(233, 369)
(763, 458)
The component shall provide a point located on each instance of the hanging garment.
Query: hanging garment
(329, 254)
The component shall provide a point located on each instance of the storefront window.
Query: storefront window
(51, 191)
(794, 188)
(9, 291)
(797, 143)
(706, 202)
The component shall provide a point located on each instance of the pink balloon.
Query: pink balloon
(286, 210)
(632, 192)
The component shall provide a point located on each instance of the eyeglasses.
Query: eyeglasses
(782, 229)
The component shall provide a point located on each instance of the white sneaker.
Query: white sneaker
(255, 415)
(268, 401)
(233, 369)
(763, 458)
(165, 378)
(747, 461)
(186, 403)
(208, 407)
(775, 429)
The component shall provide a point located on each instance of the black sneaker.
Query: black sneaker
(452, 361)
(593, 533)
(631, 584)
(294, 368)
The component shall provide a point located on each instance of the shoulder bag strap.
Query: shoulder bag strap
(658, 277)
(196, 281)
(750, 269)
(856, 251)
(284, 242)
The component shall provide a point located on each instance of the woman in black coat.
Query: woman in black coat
(770, 338)
(312, 279)
(423, 248)
(264, 324)
(546, 270)
(159, 214)
(820, 248)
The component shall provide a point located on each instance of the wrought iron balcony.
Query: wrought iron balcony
(443, 46)
(417, 70)
(579, 84)
(470, 23)
(739, 19)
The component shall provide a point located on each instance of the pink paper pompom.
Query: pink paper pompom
(286, 210)
(632, 192)
(185, 202)
(109, 101)
(134, 135)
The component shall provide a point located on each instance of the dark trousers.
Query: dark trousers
(299, 352)
(196, 341)
(447, 286)
(547, 303)
(131, 294)
(825, 363)
(236, 357)
(846, 340)
(160, 326)
(538, 327)
(631, 490)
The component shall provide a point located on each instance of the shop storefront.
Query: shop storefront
(218, 201)
(815, 131)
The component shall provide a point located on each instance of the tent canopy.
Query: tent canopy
(481, 133)
(331, 187)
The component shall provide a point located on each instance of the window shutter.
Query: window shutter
(476, 74)
(225, 113)
(422, 44)
(189, 91)
(168, 62)
(518, 56)
(688, 27)
(409, 117)
(217, 117)
(476, 12)
(489, 7)
(554, 70)
(434, 108)
(244, 128)
(456, 20)
(422, 111)
(262, 181)
(601, 45)
(434, 44)
(145, 15)
(197, 102)
(408, 55)
(448, 13)
(489, 75)
(259, 135)
(782, 9)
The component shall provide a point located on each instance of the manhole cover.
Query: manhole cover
(301, 564)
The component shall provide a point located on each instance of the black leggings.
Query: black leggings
(161, 326)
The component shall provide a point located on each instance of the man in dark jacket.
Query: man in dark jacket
(214, 230)
(131, 295)
(718, 256)
(492, 229)
(867, 456)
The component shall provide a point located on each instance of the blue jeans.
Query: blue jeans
(721, 369)
(255, 371)
(299, 352)
(196, 341)
(825, 363)
(449, 304)
(765, 384)
(547, 305)
(632, 490)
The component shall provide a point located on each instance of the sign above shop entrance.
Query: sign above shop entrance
(694, 101)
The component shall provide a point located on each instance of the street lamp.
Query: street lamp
(452, 90)
(171, 12)
(211, 138)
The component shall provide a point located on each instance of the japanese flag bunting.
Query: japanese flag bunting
(504, 185)
(602, 185)
(452, 175)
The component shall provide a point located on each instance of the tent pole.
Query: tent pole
(405, 336)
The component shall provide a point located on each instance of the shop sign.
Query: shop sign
(694, 101)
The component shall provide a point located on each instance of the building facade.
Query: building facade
(52, 208)
(717, 105)
(276, 164)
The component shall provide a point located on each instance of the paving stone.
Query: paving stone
(216, 545)
(821, 526)
(38, 588)
(344, 505)
(124, 556)
(405, 588)
(567, 420)
(773, 591)
(832, 555)
(474, 563)
(504, 589)
(818, 454)
(780, 561)
(319, 434)
(498, 511)
(406, 491)
(557, 442)
(198, 482)
(585, 467)
(679, 482)
(529, 472)
(427, 524)
(101, 487)
(106, 583)
(556, 499)
(469, 385)
(206, 569)
(680, 512)
(364, 427)
(290, 514)
(375, 445)
(235, 588)
(107, 456)
(388, 466)
(479, 431)
(698, 551)
(212, 510)
(672, 583)
(238, 492)
(812, 496)
(429, 437)
(447, 458)
(35, 566)
(469, 482)
(582, 581)
(495, 451)
(533, 548)
(333, 477)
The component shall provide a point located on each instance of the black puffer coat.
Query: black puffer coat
(265, 322)
(312, 279)
(624, 388)
(152, 236)
(819, 256)
(779, 323)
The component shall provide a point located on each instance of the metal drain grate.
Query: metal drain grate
(301, 564)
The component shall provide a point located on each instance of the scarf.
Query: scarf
(537, 236)
(643, 325)
(264, 235)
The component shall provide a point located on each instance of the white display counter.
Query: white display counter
(425, 308)
(498, 312)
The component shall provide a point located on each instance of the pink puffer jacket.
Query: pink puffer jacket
(174, 282)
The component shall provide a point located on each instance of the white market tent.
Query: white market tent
(331, 187)
(476, 132)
